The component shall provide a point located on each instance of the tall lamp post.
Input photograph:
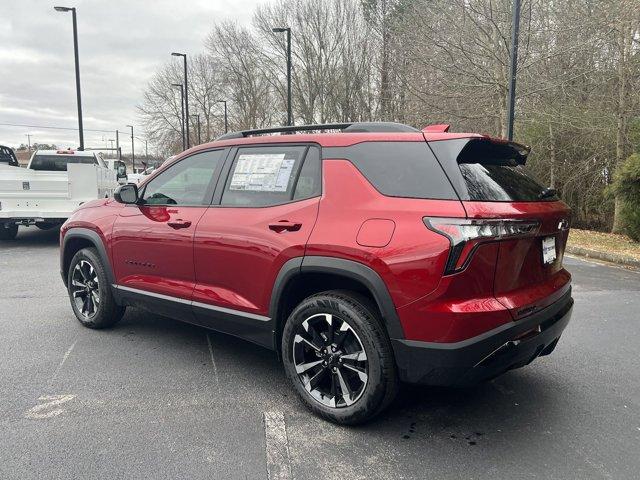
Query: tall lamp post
(133, 155)
(226, 121)
(515, 28)
(197, 117)
(182, 118)
(118, 152)
(186, 93)
(288, 31)
(75, 50)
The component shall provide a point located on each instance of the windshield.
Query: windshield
(58, 163)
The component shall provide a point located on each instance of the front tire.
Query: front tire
(338, 356)
(90, 291)
(8, 231)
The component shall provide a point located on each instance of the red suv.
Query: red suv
(364, 254)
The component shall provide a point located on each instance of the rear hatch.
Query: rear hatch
(505, 205)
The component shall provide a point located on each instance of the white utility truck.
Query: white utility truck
(53, 185)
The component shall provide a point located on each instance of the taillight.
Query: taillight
(465, 234)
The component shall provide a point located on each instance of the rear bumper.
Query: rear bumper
(485, 356)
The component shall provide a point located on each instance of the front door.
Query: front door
(152, 241)
(267, 209)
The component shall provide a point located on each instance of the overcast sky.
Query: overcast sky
(121, 44)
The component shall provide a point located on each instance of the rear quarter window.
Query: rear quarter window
(398, 169)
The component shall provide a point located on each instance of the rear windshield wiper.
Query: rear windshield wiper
(546, 193)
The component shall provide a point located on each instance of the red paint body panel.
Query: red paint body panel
(522, 283)
(463, 305)
(98, 216)
(411, 264)
(148, 254)
(237, 255)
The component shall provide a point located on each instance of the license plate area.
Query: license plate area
(548, 250)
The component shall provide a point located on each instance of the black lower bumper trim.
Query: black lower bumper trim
(480, 358)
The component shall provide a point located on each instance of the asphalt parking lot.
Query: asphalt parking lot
(155, 398)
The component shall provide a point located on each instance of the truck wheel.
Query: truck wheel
(338, 356)
(8, 231)
(90, 291)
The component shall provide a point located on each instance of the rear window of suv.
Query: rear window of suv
(481, 170)
(398, 169)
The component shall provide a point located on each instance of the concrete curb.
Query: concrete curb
(607, 257)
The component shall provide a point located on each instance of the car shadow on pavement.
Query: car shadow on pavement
(469, 416)
(33, 237)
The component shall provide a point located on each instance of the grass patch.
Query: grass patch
(604, 242)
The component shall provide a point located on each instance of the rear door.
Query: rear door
(494, 184)
(152, 242)
(267, 205)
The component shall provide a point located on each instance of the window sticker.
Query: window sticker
(262, 172)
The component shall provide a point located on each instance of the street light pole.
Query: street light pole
(118, 145)
(182, 122)
(515, 28)
(289, 111)
(226, 121)
(197, 115)
(186, 94)
(75, 50)
(133, 155)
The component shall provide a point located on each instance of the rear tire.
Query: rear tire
(90, 291)
(338, 357)
(8, 231)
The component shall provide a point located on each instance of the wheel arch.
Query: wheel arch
(303, 276)
(76, 239)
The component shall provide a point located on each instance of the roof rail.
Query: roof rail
(345, 127)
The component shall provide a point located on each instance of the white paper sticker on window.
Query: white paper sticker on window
(262, 172)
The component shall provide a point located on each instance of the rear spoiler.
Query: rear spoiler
(493, 151)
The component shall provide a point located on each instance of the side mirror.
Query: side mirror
(127, 193)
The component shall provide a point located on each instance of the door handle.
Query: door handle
(283, 225)
(179, 223)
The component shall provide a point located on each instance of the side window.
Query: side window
(310, 179)
(399, 169)
(188, 182)
(263, 176)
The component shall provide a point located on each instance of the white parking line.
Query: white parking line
(40, 412)
(277, 446)
(64, 359)
(213, 360)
